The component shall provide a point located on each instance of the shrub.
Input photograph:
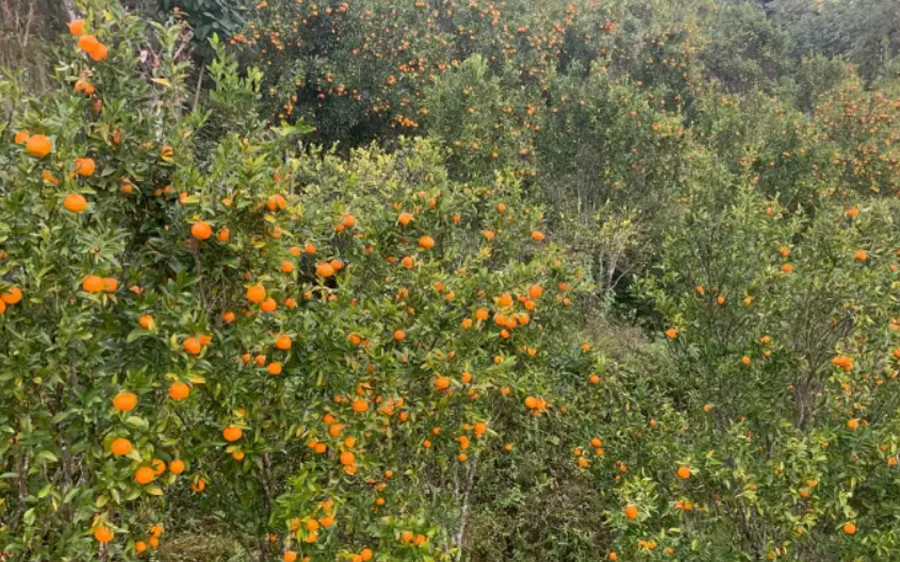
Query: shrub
(782, 328)
(201, 327)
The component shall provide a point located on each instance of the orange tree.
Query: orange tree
(319, 355)
(782, 328)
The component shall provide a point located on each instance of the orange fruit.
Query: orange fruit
(274, 368)
(360, 405)
(110, 285)
(84, 167)
(120, 446)
(268, 305)
(399, 335)
(92, 284)
(861, 255)
(140, 546)
(192, 346)
(426, 242)
(347, 458)
(99, 53)
(324, 269)
(256, 293)
(75, 203)
(88, 43)
(631, 512)
(537, 236)
(144, 475)
(125, 401)
(289, 556)
(38, 146)
(12, 296)
(535, 291)
(684, 472)
(405, 218)
(671, 333)
(179, 390)
(199, 485)
(849, 528)
(176, 466)
(85, 87)
(103, 534)
(283, 342)
(201, 230)
(232, 433)
(146, 322)
(76, 27)
(442, 383)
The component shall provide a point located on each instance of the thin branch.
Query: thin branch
(464, 515)
(199, 87)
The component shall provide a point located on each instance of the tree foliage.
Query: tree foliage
(435, 281)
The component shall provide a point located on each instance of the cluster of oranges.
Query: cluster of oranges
(11, 296)
(88, 43)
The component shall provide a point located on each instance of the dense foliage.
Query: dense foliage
(428, 280)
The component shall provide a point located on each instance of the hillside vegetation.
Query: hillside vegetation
(426, 280)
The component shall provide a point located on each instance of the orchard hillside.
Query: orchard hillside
(435, 280)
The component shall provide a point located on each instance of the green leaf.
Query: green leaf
(47, 456)
(137, 421)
